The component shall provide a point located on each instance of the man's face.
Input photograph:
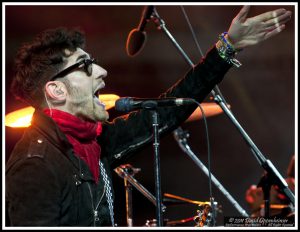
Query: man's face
(82, 99)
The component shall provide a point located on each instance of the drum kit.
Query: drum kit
(202, 218)
(203, 215)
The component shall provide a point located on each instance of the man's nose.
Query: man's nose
(101, 72)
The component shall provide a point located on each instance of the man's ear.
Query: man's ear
(56, 91)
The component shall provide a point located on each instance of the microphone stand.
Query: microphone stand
(272, 175)
(156, 144)
(152, 106)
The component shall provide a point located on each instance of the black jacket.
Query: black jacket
(47, 185)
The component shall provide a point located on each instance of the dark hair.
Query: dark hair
(38, 61)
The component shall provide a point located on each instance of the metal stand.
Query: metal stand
(266, 164)
(155, 125)
(127, 172)
(128, 189)
(270, 169)
(266, 185)
(181, 137)
(152, 106)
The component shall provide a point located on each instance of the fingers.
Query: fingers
(270, 15)
(271, 28)
(274, 32)
(276, 24)
(242, 15)
(279, 20)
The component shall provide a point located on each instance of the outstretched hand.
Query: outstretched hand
(244, 32)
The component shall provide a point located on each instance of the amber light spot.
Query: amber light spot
(19, 118)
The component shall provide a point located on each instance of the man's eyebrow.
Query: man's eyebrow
(83, 56)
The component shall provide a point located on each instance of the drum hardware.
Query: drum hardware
(153, 223)
(127, 172)
(167, 222)
(204, 216)
(181, 137)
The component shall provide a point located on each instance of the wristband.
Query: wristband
(227, 51)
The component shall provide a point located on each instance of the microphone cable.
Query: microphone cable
(206, 126)
(208, 163)
(192, 31)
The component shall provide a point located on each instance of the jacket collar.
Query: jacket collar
(48, 128)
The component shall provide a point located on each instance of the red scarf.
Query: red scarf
(82, 135)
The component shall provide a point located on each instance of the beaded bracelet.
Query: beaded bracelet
(227, 51)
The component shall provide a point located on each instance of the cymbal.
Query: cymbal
(275, 206)
(185, 200)
(22, 117)
(179, 222)
(210, 109)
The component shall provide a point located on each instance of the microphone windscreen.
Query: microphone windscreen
(135, 42)
(123, 104)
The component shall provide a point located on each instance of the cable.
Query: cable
(209, 163)
(206, 128)
(193, 32)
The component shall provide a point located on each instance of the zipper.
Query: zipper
(133, 146)
(95, 212)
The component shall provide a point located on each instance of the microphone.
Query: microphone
(136, 37)
(127, 104)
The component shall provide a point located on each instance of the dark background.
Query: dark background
(261, 94)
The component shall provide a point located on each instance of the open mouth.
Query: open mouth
(98, 89)
(97, 93)
(97, 99)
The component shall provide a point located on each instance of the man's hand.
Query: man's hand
(244, 32)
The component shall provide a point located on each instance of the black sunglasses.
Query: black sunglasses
(88, 68)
